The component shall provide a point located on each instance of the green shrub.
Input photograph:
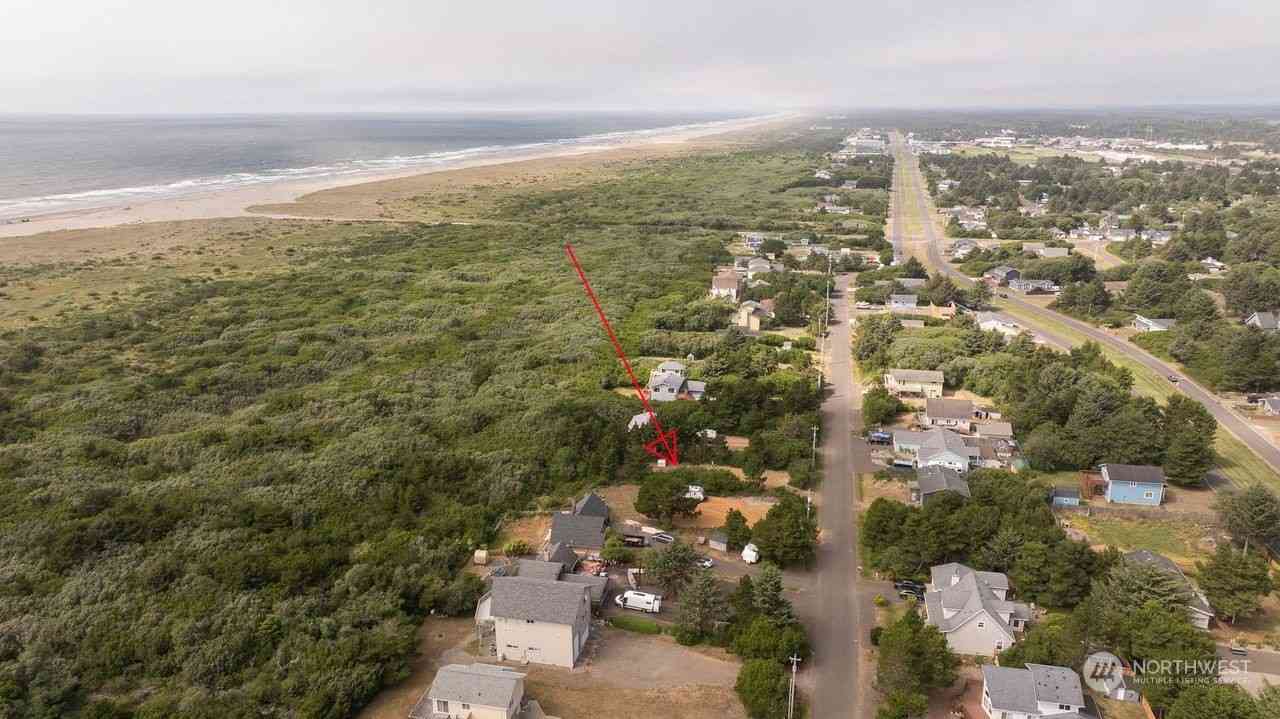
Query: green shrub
(631, 623)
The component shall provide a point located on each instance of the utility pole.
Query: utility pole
(791, 698)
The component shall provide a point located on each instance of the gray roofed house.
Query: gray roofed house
(1269, 321)
(577, 531)
(1053, 252)
(592, 506)
(1271, 405)
(971, 609)
(932, 480)
(559, 552)
(539, 600)
(949, 412)
(998, 430)
(458, 689)
(902, 301)
(927, 383)
(912, 283)
(1003, 273)
(1152, 324)
(940, 447)
(1198, 609)
(538, 569)
(1037, 691)
(595, 585)
(1133, 484)
(673, 366)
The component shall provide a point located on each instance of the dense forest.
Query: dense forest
(239, 497)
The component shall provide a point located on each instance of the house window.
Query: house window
(442, 706)
(1149, 495)
(1065, 707)
(528, 621)
(466, 707)
(982, 625)
(999, 646)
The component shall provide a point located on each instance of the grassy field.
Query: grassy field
(1175, 538)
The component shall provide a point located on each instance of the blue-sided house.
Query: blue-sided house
(1133, 484)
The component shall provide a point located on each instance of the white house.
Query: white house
(475, 691)
(902, 302)
(1265, 321)
(725, 285)
(923, 382)
(1151, 324)
(956, 414)
(537, 620)
(991, 322)
(1038, 691)
(972, 611)
(936, 448)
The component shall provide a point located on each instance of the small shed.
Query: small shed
(718, 541)
(1064, 497)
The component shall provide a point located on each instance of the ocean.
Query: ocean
(51, 164)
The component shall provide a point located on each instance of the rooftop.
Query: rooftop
(916, 375)
(539, 600)
(577, 530)
(479, 684)
(949, 408)
(1141, 474)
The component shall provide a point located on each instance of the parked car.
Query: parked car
(1173, 378)
(1004, 295)
(911, 594)
(909, 584)
(639, 601)
(705, 562)
(663, 538)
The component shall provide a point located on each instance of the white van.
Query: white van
(639, 601)
(751, 554)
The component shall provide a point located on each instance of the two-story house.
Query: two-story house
(931, 481)
(537, 620)
(1038, 691)
(923, 382)
(971, 610)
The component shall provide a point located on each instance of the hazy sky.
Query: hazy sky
(387, 55)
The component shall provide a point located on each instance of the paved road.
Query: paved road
(919, 203)
(845, 613)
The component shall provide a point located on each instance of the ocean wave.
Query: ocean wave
(24, 207)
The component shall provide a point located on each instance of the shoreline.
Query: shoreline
(226, 203)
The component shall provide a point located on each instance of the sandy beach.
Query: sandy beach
(280, 199)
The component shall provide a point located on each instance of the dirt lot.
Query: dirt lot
(627, 676)
(873, 489)
(1181, 499)
(621, 500)
(530, 530)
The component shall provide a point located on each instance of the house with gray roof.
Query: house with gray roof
(474, 691)
(536, 620)
(1152, 324)
(923, 382)
(1039, 691)
(1271, 405)
(561, 553)
(1198, 609)
(670, 382)
(930, 481)
(1266, 321)
(1133, 484)
(538, 569)
(955, 414)
(1002, 275)
(936, 447)
(579, 532)
(591, 505)
(902, 302)
(972, 611)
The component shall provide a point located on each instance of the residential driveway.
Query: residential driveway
(641, 661)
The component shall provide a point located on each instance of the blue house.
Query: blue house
(1133, 484)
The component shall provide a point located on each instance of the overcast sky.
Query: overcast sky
(422, 55)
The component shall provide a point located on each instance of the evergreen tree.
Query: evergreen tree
(736, 530)
(1252, 516)
(1235, 582)
(767, 598)
(702, 604)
